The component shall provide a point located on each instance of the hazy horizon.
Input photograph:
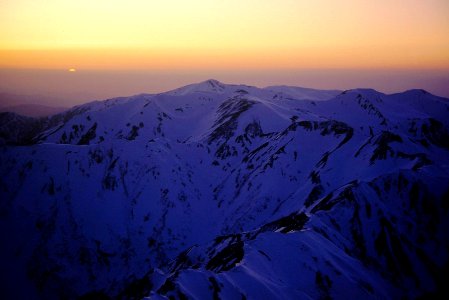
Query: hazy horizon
(72, 52)
(62, 88)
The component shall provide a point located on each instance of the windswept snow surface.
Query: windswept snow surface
(226, 192)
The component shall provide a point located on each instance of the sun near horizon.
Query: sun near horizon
(130, 47)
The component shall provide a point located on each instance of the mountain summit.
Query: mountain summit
(228, 191)
(210, 85)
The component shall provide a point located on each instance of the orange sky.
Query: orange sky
(219, 34)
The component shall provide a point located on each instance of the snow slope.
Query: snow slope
(228, 191)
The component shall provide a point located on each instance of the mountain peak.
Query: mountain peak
(416, 92)
(210, 85)
(362, 91)
(213, 82)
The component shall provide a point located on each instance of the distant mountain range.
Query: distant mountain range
(30, 105)
(33, 110)
(220, 191)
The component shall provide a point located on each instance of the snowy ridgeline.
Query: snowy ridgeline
(228, 191)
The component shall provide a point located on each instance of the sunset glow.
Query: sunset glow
(228, 34)
(224, 149)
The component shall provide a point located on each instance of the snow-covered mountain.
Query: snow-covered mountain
(226, 192)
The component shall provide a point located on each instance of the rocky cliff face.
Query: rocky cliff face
(228, 191)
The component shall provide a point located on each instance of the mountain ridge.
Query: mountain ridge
(215, 190)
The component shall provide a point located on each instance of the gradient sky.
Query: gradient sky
(227, 35)
(113, 34)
